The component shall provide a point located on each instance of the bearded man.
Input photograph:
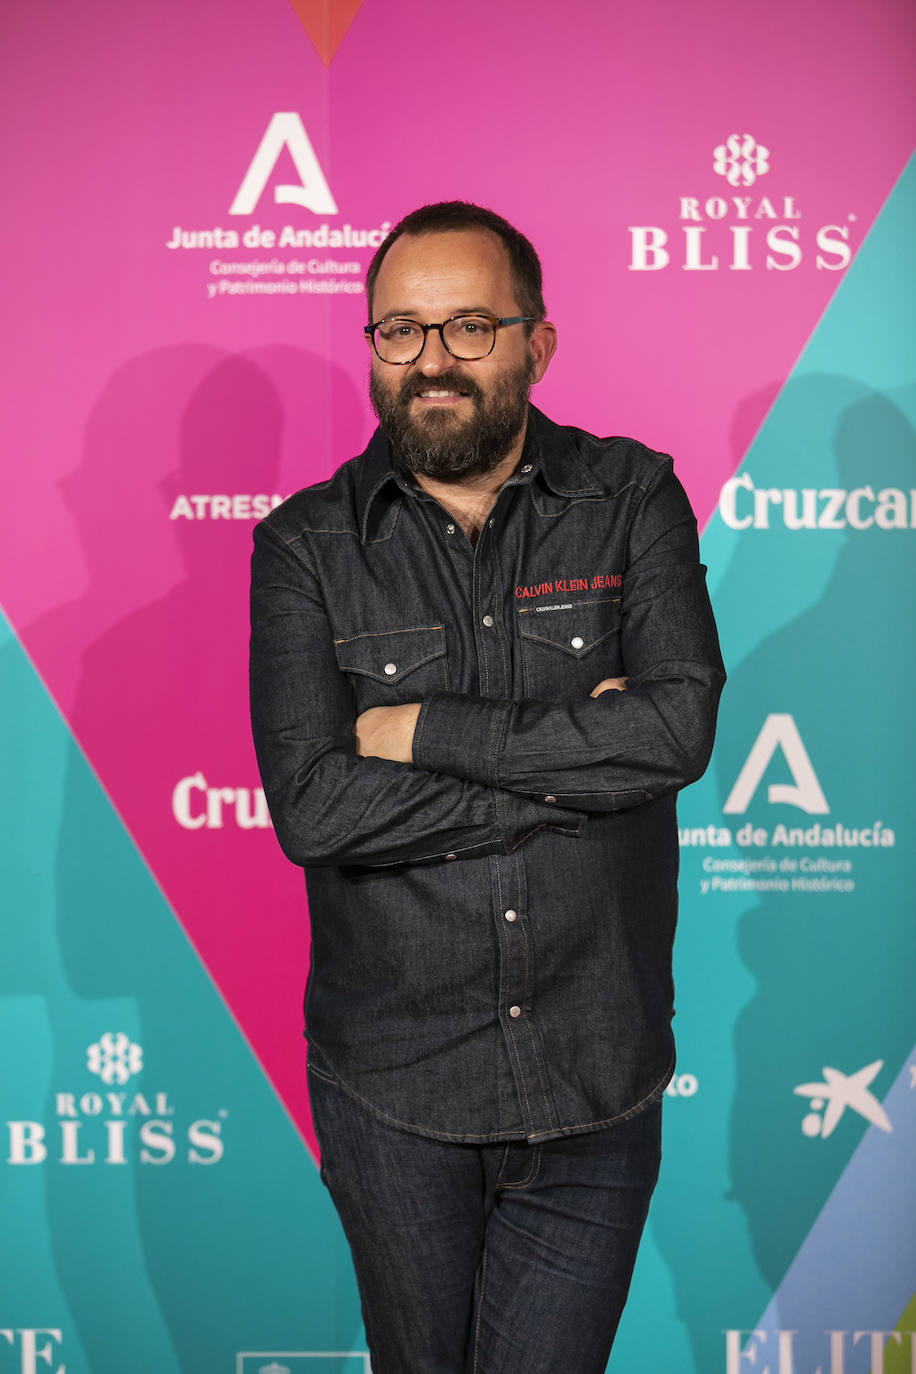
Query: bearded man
(483, 664)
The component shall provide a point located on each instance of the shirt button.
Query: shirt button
(488, 621)
(492, 524)
(451, 856)
(577, 642)
(391, 668)
(450, 529)
(511, 915)
(515, 1011)
(550, 798)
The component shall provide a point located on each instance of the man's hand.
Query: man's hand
(609, 684)
(386, 732)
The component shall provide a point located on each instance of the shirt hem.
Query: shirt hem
(491, 1137)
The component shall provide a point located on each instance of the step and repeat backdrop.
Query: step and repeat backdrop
(724, 204)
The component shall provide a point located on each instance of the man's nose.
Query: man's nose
(435, 357)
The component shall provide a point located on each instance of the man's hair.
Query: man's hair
(449, 215)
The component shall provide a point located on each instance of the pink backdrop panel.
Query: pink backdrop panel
(133, 387)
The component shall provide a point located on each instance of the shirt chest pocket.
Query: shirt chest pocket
(392, 666)
(568, 650)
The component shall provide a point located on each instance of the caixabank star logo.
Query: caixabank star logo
(116, 1118)
(711, 230)
(829, 1099)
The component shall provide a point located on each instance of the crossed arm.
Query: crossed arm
(483, 768)
(386, 732)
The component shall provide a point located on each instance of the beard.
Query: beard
(437, 443)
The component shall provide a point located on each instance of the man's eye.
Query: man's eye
(473, 326)
(399, 329)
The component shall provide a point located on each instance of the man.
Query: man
(483, 662)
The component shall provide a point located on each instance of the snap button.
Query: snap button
(492, 524)
(488, 621)
(511, 915)
(550, 799)
(515, 1011)
(451, 856)
(450, 529)
(525, 468)
(577, 642)
(391, 668)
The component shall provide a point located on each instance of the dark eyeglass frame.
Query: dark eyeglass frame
(494, 320)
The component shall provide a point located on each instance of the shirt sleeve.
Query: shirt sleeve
(328, 805)
(623, 748)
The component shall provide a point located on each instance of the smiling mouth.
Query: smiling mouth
(438, 394)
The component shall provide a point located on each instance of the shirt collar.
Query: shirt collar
(549, 455)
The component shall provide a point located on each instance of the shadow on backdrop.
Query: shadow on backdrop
(222, 1238)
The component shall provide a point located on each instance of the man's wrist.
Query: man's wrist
(386, 732)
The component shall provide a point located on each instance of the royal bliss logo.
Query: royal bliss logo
(114, 1123)
(740, 232)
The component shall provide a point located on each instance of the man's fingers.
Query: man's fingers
(609, 684)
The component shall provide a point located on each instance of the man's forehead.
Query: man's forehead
(452, 253)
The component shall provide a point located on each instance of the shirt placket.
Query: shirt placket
(517, 1008)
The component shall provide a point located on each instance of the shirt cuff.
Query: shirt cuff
(462, 736)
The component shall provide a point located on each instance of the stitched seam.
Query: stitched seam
(377, 1112)
(480, 1297)
(606, 792)
(497, 568)
(551, 825)
(577, 654)
(383, 634)
(354, 534)
(529, 991)
(463, 849)
(659, 1088)
(555, 514)
(505, 938)
(388, 677)
(325, 1077)
(533, 1170)
(499, 724)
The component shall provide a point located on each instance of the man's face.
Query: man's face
(449, 419)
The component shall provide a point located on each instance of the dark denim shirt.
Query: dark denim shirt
(491, 925)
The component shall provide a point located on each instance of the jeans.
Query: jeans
(487, 1259)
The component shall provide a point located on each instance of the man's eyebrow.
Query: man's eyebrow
(461, 310)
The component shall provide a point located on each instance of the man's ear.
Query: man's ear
(543, 344)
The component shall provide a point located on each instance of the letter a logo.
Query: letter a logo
(779, 732)
(313, 192)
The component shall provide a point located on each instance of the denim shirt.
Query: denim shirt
(491, 926)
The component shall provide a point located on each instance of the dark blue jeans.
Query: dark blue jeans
(487, 1259)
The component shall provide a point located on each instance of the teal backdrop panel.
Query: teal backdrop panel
(159, 1211)
(796, 943)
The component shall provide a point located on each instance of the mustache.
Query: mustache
(445, 381)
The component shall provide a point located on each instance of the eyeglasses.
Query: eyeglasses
(466, 337)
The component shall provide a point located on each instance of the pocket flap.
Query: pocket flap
(389, 655)
(574, 630)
